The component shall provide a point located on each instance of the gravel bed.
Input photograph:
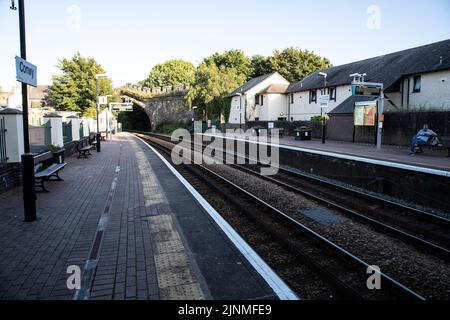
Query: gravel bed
(299, 277)
(435, 211)
(428, 275)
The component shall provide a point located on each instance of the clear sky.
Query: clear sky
(129, 37)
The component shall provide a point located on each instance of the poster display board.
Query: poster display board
(366, 113)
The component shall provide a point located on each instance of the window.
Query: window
(262, 100)
(257, 99)
(332, 92)
(292, 98)
(313, 96)
(417, 84)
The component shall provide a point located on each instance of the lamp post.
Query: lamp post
(324, 127)
(98, 76)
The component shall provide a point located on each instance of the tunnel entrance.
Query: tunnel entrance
(137, 120)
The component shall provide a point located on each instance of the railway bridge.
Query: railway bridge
(161, 104)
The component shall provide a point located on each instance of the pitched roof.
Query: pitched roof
(250, 84)
(387, 69)
(348, 106)
(275, 88)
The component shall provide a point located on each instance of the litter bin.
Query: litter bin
(303, 134)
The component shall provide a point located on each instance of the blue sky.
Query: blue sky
(129, 37)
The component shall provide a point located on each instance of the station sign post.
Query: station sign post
(324, 101)
(26, 73)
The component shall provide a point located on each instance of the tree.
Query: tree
(260, 66)
(171, 73)
(74, 90)
(211, 84)
(232, 59)
(295, 64)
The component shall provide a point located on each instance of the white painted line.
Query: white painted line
(396, 165)
(273, 280)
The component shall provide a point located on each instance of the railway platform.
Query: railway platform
(388, 155)
(134, 229)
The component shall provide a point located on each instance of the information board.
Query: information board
(365, 113)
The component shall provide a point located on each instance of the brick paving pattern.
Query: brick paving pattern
(34, 257)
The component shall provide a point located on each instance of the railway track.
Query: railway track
(300, 255)
(425, 230)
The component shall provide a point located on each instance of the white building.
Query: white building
(260, 98)
(414, 79)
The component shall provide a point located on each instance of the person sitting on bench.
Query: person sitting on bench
(422, 138)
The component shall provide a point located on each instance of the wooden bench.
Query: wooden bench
(45, 170)
(444, 144)
(84, 148)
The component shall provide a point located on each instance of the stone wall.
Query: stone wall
(162, 104)
(170, 109)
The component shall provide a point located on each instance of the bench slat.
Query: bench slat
(54, 168)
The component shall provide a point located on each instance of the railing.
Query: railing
(3, 155)
(67, 132)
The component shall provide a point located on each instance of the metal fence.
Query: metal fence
(67, 131)
(3, 155)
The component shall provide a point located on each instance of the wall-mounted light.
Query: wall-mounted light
(13, 5)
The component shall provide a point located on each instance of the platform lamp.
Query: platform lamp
(324, 127)
(98, 76)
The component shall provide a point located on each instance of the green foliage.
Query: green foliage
(295, 64)
(260, 66)
(232, 59)
(320, 118)
(211, 84)
(74, 90)
(170, 73)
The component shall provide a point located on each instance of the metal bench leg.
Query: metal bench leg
(56, 175)
(39, 183)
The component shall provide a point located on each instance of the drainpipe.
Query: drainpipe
(403, 92)
(407, 97)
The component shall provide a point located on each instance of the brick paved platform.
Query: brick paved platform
(143, 234)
